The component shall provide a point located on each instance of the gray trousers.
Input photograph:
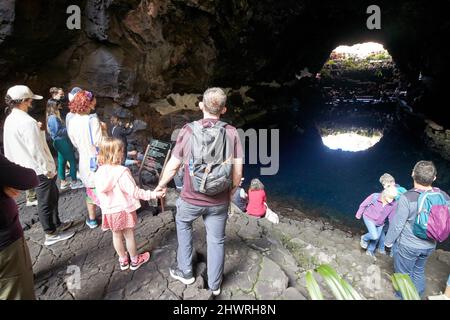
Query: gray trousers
(215, 219)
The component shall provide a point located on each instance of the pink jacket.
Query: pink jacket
(372, 207)
(117, 191)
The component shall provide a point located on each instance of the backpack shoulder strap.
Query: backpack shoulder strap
(423, 197)
(90, 130)
(220, 123)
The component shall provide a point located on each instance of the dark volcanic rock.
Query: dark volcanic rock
(138, 51)
(7, 14)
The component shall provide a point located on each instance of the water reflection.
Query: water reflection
(351, 141)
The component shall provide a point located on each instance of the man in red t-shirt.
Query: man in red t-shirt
(192, 204)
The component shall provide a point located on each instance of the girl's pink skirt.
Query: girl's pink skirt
(119, 221)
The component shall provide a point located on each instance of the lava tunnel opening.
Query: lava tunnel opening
(360, 74)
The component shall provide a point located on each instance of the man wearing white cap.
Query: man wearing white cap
(25, 144)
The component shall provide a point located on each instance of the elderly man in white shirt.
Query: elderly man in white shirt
(25, 145)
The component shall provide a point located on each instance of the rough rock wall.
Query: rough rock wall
(438, 138)
(132, 51)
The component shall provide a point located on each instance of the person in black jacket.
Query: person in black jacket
(120, 131)
(16, 272)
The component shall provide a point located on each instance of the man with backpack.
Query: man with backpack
(211, 153)
(422, 218)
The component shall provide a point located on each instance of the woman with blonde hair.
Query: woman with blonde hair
(257, 202)
(375, 210)
(119, 197)
(61, 142)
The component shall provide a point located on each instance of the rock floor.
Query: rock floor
(263, 261)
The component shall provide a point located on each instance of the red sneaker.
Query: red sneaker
(124, 264)
(142, 258)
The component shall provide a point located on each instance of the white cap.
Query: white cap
(73, 93)
(22, 92)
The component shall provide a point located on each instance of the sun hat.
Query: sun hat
(22, 92)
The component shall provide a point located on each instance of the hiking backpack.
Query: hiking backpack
(433, 217)
(210, 164)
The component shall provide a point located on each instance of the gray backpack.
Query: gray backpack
(210, 162)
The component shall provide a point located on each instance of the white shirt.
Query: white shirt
(25, 144)
(78, 132)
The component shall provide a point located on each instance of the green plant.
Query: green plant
(313, 286)
(403, 283)
(342, 290)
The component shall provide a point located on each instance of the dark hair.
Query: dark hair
(11, 103)
(55, 90)
(424, 173)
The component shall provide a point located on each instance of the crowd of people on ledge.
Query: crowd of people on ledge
(409, 223)
(209, 154)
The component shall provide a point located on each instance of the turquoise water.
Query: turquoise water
(334, 182)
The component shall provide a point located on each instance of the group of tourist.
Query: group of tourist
(208, 188)
(29, 164)
(390, 218)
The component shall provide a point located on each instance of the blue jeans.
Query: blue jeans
(412, 262)
(374, 236)
(215, 219)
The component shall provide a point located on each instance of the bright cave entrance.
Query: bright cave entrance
(353, 77)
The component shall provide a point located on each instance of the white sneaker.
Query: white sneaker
(363, 243)
(216, 292)
(32, 203)
(76, 185)
(54, 238)
(439, 297)
(64, 186)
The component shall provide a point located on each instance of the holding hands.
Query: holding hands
(11, 192)
(160, 191)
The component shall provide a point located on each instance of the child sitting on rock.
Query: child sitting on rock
(257, 202)
(119, 197)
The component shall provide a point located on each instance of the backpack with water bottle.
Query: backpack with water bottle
(433, 217)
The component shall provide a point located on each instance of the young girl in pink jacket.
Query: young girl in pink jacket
(119, 197)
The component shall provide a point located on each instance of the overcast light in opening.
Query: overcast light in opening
(351, 141)
(361, 50)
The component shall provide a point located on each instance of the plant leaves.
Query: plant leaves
(313, 286)
(354, 294)
(403, 283)
(333, 281)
